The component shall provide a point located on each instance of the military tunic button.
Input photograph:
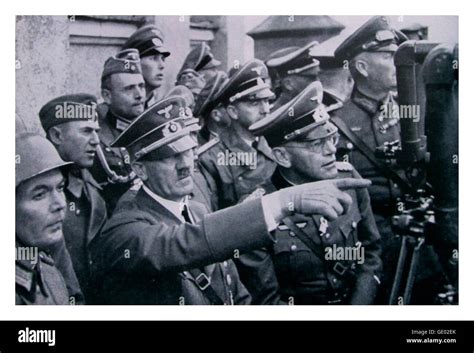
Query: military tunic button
(78, 212)
(293, 247)
(395, 185)
(354, 224)
(349, 146)
(225, 264)
(334, 280)
(122, 149)
(107, 149)
(239, 178)
(292, 234)
(119, 163)
(229, 280)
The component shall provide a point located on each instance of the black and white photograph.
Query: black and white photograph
(236, 160)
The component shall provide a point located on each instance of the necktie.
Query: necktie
(255, 144)
(185, 214)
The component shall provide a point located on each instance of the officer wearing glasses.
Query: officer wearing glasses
(315, 261)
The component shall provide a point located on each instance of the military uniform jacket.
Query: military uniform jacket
(362, 115)
(86, 214)
(144, 253)
(306, 278)
(117, 159)
(233, 182)
(41, 283)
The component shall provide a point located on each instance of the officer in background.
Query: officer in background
(239, 163)
(39, 213)
(306, 256)
(199, 67)
(368, 121)
(123, 90)
(149, 41)
(211, 114)
(71, 125)
(292, 70)
(336, 79)
(161, 248)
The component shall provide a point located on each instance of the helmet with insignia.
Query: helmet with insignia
(126, 61)
(148, 40)
(161, 131)
(35, 155)
(376, 35)
(293, 61)
(292, 121)
(247, 82)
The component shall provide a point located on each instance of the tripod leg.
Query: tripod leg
(399, 272)
(412, 273)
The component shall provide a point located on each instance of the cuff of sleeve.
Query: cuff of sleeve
(268, 215)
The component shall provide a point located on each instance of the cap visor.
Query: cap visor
(212, 64)
(157, 50)
(182, 144)
(391, 48)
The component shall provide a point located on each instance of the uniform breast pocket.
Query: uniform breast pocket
(246, 181)
(294, 262)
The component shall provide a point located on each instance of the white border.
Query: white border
(238, 7)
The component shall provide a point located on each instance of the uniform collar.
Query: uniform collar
(279, 181)
(176, 208)
(28, 274)
(117, 122)
(75, 184)
(250, 141)
(365, 102)
(236, 143)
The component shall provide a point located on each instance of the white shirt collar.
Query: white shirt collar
(249, 141)
(174, 207)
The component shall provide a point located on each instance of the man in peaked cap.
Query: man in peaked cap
(240, 162)
(304, 258)
(336, 79)
(203, 183)
(161, 248)
(123, 90)
(199, 67)
(292, 69)
(364, 126)
(71, 125)
(211, 114)
(149, 41)
(39, 214)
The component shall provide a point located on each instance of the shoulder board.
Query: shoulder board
(211, 143)
(344, 167)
